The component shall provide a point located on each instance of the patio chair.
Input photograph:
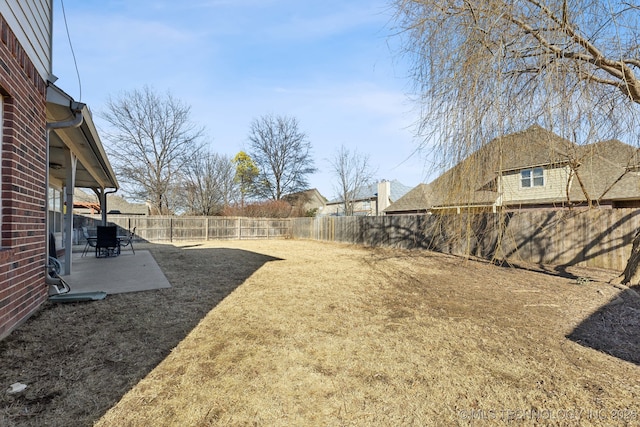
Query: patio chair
(91, 241)
(107, 243)
(128, 240)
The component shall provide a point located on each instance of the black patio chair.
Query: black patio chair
(128, 240)
(107, 243)
(91, 241)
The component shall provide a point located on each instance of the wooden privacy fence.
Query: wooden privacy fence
(595, 238)
(176, 228)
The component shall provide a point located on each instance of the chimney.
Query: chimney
(384, 195)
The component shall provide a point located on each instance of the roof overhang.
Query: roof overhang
(533, 166)
(93, 169)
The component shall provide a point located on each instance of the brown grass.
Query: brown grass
(304, 333)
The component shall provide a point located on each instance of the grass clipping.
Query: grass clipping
(334, 335)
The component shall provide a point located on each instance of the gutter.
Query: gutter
(78, 119)
(76, 107)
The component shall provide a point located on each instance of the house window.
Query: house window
(532, 178)
(55, 211)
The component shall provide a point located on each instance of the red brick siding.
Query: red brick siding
(22, 236)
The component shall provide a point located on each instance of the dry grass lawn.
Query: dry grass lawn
(307, 333)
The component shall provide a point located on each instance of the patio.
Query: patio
(127, 272)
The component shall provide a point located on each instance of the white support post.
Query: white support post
(72, 163)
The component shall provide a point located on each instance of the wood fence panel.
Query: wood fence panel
(188, 229)
(223, 228)
(174, 228)
(150, 228)
(596, 238)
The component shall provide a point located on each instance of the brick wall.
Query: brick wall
(22, 239)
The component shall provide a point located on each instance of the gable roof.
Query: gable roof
(308, 199)
(606, 169)
(120, 204)
(306, 195)
(415, 201)
(473, 180)
(370, 191)
(115, 202)
(609, 171)
(398, 190)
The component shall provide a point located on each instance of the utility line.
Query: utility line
(73, 54)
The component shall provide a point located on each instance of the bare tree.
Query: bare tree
(151, 138)
(352, 172)
(208, 184)
(282, 153)
(485, 68)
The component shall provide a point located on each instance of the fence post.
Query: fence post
(206, 228)
(171, 229)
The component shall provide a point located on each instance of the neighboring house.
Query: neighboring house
(533, 169)
(121, 206)
(370, 200)
(306, 202)
(88, 204)
(49, 146)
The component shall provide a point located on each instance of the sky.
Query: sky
(333, 65)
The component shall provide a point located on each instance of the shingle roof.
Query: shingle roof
(398, 190)
(117, 203)
(366, 193)
(416, 200)
(608, 172)
(472, 181)
(114, 202)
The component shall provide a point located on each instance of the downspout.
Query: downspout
(103, 209)
(102, 198)
(76, 107)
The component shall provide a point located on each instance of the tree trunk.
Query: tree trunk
(631, 273)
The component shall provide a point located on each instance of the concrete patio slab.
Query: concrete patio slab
(113, 275)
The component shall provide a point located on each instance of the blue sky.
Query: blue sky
(331, 64)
